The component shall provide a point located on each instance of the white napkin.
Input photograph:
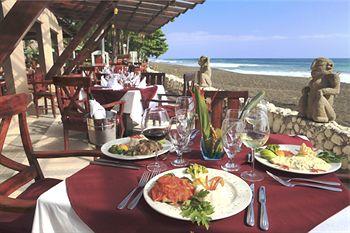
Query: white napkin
(82, 94)
(143, 83)
(97, 111)
(114, 84)
(136, 80)
(104, 82)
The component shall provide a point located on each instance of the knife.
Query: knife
(118, 162)
(264, 221)
(250, 214)
(115, 165)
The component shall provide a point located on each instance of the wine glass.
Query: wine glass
(179, 133)
(231, 137)
(185, 111)
(256, 134)
(155, 126)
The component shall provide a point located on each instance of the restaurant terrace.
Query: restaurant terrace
(95, 138)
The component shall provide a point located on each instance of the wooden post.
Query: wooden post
(94, 45)
(82, 55)
(16, 24)
(83, 31)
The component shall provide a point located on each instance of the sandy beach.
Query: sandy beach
(280, 90)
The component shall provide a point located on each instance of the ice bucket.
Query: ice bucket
(102, 131)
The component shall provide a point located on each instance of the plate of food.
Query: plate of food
(298, 159)
(134, 148)
(197, 194)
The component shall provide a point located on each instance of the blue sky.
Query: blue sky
(262, 29)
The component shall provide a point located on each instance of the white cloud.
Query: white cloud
(206, 37)
(324, 36)
(202, 36)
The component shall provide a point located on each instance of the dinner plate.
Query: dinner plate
(228, 200)
(165, 144)
(295, 149)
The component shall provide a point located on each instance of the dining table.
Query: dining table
(136, 99)
(87, 201)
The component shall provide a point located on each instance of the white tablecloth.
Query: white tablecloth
(54, 214)
(133, 104)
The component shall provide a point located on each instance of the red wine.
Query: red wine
(155, 134)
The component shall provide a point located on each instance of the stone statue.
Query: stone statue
(204, 73)
(316, 102)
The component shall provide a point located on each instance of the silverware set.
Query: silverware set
(146, 176)
(114, 163)
(307, 183)
(264, 221)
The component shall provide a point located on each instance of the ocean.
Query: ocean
(295, 67)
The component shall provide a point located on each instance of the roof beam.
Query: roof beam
(87, 46)
(16, 24)
(155, 16)
(81, 34)
(132, 15)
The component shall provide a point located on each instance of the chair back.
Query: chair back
(2, 88)
(72, 95)
(189, 81)
(38, 82)
(120, 68)
(221, 100)
(10, 106)
(153, 78)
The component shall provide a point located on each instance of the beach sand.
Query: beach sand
(280, 90)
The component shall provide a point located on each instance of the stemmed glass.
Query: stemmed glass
(256, 134)
(179, 134)
(155, 126)
(232, 128)
(185, 111)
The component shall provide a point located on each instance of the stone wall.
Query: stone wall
(330, 136)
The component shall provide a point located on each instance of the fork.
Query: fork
(144, 178)
(310, 180)
(288, 184)
(136, 200)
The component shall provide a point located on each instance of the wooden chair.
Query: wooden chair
(16, 214)
(74, 111)
(42, 89)
(2, 88)
(221, 100)
(189, 82)
(154, 78)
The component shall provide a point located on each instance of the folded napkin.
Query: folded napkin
(136, 80)
(97, 111)
(142, 83)
(82, 94)
(113, 83)
(104, 82)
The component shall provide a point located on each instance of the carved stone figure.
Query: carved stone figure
(316, 102)
(204, 73)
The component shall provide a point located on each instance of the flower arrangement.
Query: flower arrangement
(211, 142)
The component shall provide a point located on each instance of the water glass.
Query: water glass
(179, 137)
(232, 130)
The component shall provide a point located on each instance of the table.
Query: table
(54, 213)
(132, 98)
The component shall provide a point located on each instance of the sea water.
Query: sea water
(294, 67)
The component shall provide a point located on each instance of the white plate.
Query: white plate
(166, 147)
(295, 149)
(235, 195)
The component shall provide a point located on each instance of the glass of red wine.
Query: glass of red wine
(155, 126)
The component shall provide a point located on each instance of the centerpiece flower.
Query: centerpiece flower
(211, 141)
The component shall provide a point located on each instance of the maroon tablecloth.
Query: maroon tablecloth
(105, 96)
(95, 191)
